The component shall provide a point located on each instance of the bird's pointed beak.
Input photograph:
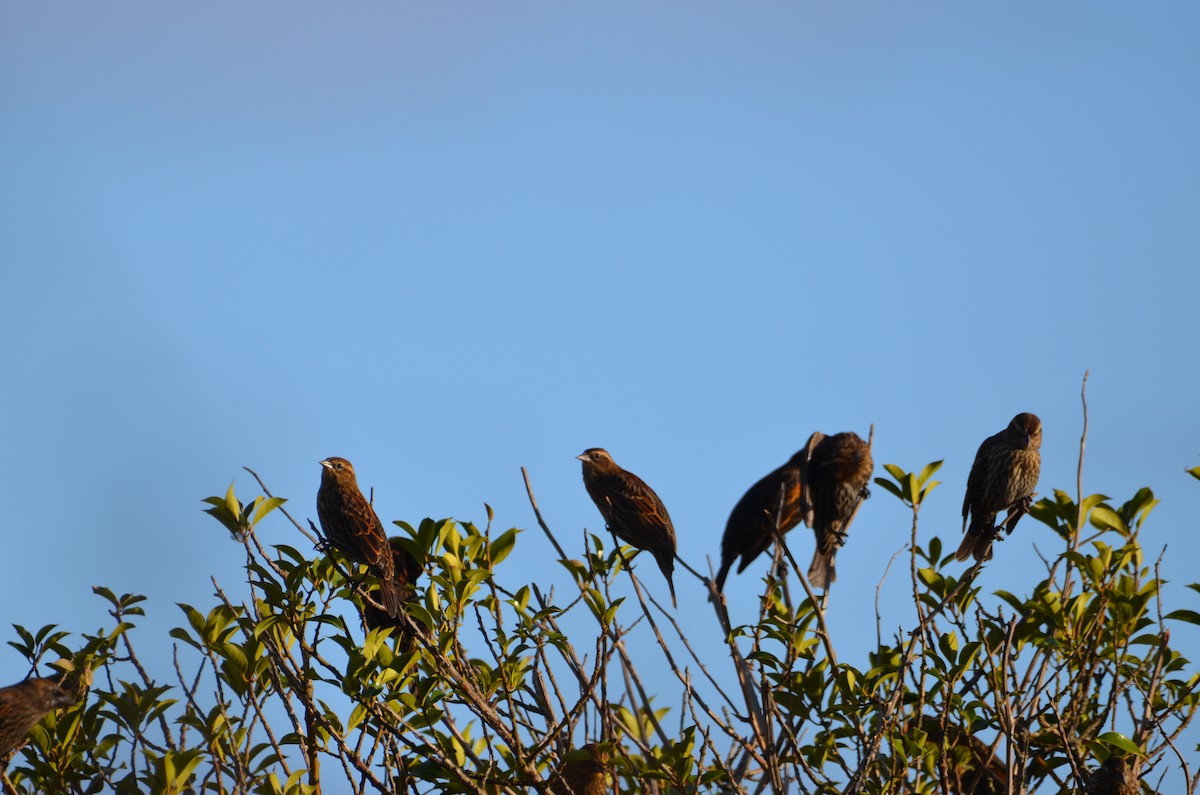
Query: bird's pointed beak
(582, 457)
(325, 463)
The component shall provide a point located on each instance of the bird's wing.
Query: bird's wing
(975, 480)
(806, 502)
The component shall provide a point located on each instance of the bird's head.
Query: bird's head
(52, 695)
(596, 456)
(338, 469)
(1026, 429)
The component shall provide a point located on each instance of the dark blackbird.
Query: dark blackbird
(835, 483)
(583, 772)
(631, 509)
(350, 524)
(407, 570)
(751, 526)
(1116, 776)
(24, 704)
(1002, 478)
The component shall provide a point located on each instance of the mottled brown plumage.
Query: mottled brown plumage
(351, 525)
(24, 704)
(971, 766)
(835, 484)
(1116, 776)
(582, 772)
(1002, 478)
(751, 526)
(631, 509)
(407, 570)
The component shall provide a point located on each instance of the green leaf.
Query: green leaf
(1105, 518)
(265, 507)
(1190, 616)
(889, 486)
(1118, 740)
(231, 502)
(1194, 472)
(502, 546)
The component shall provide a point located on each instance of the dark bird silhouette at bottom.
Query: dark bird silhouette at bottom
(24, 704)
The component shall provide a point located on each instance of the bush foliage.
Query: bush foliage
(482, 690)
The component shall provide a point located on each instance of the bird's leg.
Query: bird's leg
(1016, 511)
(322, 543)
(864, 493)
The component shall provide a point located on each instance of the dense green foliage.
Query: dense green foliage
(482, 689)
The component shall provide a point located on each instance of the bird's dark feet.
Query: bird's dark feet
(864, 493)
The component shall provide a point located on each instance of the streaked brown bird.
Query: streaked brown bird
(351, 525)
(583, 772)
(1116, 776)
(24, 704)
(835, 484)
(751, 526)
(971, 767)
(631, 509)
(1002, 478)
(407, 570)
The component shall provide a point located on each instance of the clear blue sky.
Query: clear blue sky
(449, 240)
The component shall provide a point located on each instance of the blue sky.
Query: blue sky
(446, 241)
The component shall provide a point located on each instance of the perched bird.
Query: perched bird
(407, 570)
(1002, 478)
(350, 524)
(751, 526)
(24, 704)
(1116, 776)
(631, 509)
(971, 766)
(835, 483)
(583, 772)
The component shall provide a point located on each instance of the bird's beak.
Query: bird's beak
(581, 458)
(326, 464)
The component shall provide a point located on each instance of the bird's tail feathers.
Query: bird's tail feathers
(976, 543)
(821, 572)
(390, 592)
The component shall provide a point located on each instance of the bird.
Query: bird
(834, 485)
(407, 570)
(971, 766)
(1115, 776)
(351, 525)
(773, 500)
(1002, 478)
(631, 509)
(24, 704)
(583, 772)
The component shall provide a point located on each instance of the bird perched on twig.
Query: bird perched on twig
(1002, 478)
(631, 509)
(407, 570)
(351, 525)
(583, 772)
(24, 704)
(835, 484)
(1116, 776)
(775, 500)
